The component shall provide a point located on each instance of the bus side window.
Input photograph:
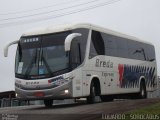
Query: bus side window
(82, 41)
(150, 52)
(96, 45)
(110, 45)
(75, 54)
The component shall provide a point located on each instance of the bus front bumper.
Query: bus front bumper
(60, 92)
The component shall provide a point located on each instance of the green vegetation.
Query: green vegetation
(153, 109)
(148, 112)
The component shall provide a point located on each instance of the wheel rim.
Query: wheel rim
(93, 91)
(142, 92)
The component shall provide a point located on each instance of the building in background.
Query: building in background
(8, 99)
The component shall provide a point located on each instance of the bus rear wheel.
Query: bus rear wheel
(48, 103)
(143, 92)
(91, 97)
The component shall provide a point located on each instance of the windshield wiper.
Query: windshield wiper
(34, 59)
(46, 64)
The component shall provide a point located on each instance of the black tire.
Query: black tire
(106, 98)
(92, 96)
(143, 92)
(48, 103)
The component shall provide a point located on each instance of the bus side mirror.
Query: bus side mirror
(7, 46)
(68, 40)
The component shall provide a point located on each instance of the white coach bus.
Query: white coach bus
(82, 61)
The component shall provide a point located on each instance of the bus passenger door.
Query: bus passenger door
(85, 82)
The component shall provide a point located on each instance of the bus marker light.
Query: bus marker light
(49, 81)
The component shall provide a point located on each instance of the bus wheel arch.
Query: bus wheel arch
(95, 90)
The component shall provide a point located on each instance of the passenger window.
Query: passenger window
(97, 44)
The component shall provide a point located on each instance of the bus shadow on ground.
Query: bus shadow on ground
(59, 106)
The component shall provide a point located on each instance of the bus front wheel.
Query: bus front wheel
(91, 97)
(48, 103)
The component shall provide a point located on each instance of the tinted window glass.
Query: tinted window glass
(110, 45)
(150, 52)
(93, 52)
(97, 44)
(78, 47)
(82, 40)
(75, 56)
(120, 47)
(136, 50)
(44, 56)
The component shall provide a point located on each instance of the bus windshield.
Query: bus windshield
(41, 56)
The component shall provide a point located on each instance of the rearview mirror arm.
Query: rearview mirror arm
(7, 47)
(69, 39)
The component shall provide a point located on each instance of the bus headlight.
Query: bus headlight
(66, 91)
(16, 95)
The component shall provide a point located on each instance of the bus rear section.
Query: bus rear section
(125, 67)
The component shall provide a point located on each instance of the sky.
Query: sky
(139, 18)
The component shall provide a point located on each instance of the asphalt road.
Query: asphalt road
(74, 111)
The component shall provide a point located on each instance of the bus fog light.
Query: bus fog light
(16, 95)
(66, 91)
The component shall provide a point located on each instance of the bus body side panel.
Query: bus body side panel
(77, 82)
(88, 76)
(120, 75)
(151, 76)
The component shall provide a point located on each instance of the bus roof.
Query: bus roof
(66, 27)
